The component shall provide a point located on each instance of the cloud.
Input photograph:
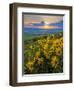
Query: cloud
(30, 19)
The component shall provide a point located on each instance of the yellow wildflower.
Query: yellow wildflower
(54, 61)
(31, 46)
(61, 39)
(61, 42)
(58, 51)
(56, 42)
(45, 46)
(46, 54)
(29, 65)
(37, 54)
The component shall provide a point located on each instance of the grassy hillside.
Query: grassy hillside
(43, 54)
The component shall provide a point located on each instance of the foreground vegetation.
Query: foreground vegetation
(44, 54)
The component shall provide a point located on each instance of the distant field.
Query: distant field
(29, 36)
(32, 36)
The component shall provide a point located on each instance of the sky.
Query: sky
(40, 18)
(31, 20)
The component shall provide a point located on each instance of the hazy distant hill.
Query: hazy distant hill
(57, 24)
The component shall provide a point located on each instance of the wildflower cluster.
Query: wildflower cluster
(44, 54)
